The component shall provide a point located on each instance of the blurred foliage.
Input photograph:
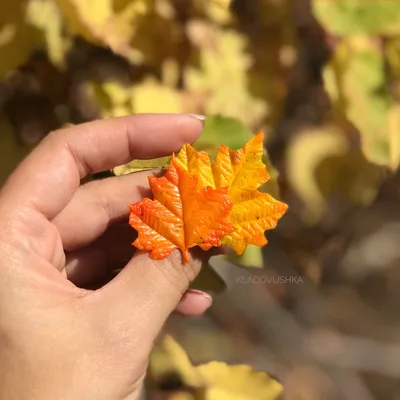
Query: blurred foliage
(321, 79)
(362, 75)
(349, 17)
(211, 381)
(9, 142)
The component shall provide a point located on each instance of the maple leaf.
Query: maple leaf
(242, 172)
(252, 216)
(182, 215)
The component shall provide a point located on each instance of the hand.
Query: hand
(57, 339)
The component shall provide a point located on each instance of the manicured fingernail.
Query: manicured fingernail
(201, 293)
(199, 117)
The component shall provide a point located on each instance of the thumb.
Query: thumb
(142, 296)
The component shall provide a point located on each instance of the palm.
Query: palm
(82, 231)
(57, 237)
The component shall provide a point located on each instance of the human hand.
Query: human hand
(57, 339)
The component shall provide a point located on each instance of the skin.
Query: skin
(59, 337)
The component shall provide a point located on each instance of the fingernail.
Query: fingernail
(201, 293)
(200, 117)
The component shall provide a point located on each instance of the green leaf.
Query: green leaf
(220, 130)
(252, 257)
(356, 81)
(344, 17)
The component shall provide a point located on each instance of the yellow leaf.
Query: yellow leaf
(181, 396)
(332, 169)
(217, 10)
(110, 22)
(220, 130)
(318, 144)
(151, 96)
(197, 163)
(46, 16)
(86, 17)
(241, 170)
(111, 98)
(238, 382)
(181, 362)
(142, 165)
(254, 214)
(217, 380)
(394, 135)
(223, 78)
(17, 39)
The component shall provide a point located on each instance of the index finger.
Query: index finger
(49, 176)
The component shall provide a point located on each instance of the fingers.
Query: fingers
(97, 205)
(110, 252)
(144, 294)
(88, 268)
(49, 176)
(194, 303)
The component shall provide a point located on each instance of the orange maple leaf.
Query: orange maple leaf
(182, 215)
(243, 172)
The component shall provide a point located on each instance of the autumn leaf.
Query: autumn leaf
(197, 163)
(18, 40)
(234, 134)
(182, 215)
(46, 16)
(355, 80)
(106, 22)
(142, 165)
(243, 172)
(256, 213)
(349, 17)
(214, 380)
(227, 58)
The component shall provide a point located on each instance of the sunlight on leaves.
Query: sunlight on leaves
(214, 380)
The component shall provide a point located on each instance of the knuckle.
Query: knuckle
(54, 136)
(178, 273)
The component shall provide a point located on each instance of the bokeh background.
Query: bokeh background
(321, 79)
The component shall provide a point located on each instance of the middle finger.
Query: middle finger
(97, 205)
